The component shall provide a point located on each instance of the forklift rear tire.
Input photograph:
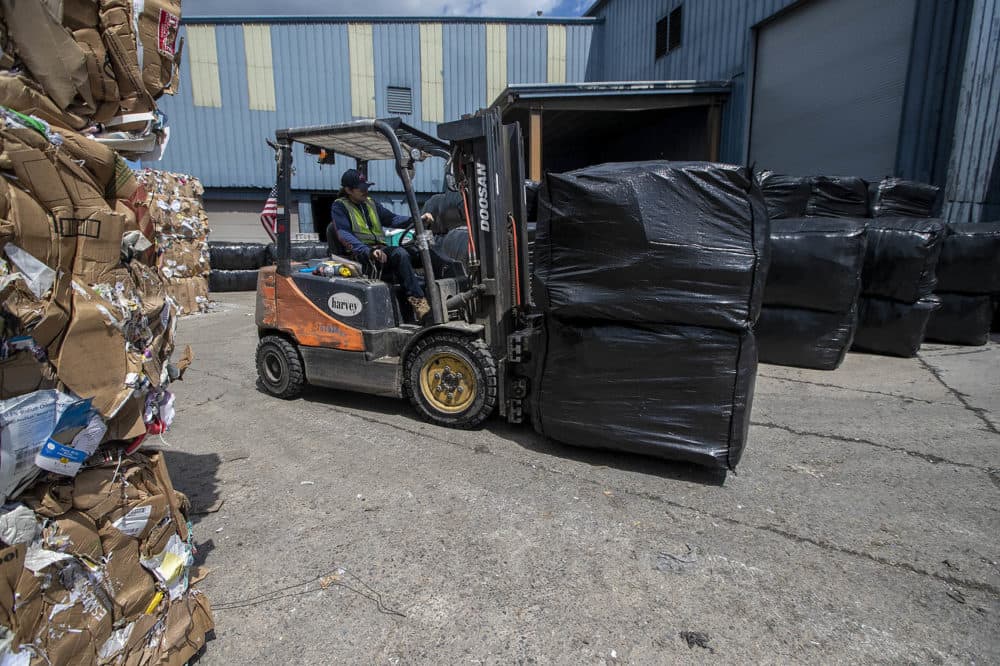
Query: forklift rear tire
(279, 367)
(451, 380)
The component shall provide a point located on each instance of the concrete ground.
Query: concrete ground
(862, 525)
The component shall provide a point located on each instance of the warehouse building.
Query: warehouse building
(904, 87)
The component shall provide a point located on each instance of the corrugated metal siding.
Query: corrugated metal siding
(260, 69)
(580, 57)
(312, 85)
(556, 57)
(526, 54)
(432, 72)
(203, 56)
(972, 184)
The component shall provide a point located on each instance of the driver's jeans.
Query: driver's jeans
(399, 266)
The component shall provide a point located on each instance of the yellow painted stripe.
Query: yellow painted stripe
(557, 54)
(362, 63)
(496, 60)
(204, 57)
(431, 73)
(260, 67)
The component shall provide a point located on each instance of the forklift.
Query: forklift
(471, 356)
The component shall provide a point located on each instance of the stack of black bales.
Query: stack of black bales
(897, 285)
(651, 276)
(968, 274)
(810, 300)
(898, 272)
(235, 265)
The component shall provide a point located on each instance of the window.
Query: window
(662, 28)
(668, 32)
(399, 101)
(674, 38)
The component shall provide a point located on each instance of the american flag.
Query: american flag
(269, 216)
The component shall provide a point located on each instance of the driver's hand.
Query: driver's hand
(427, 217)
(379, 255)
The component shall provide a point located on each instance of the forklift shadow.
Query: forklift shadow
(526, 438)
(197, 477)
(672, 470)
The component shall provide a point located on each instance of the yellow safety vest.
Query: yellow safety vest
(369, 234)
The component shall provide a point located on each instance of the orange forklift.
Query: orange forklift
(472, 355)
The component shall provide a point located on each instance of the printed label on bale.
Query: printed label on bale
(134, 522)
(167, 37)
(345, 305)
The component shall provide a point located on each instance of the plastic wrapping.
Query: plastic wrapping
(901, 258)
(243, 280)
(996, 315)
(531, 190)
(230, 256)
(301, 251)
(676, 392)
(678, 242)
(816, 263)
(895, 197)
(785, 196)
(892, 328)
(970, 259)
(804, 338)
(961, 320)
(447, 209)
(838, 196)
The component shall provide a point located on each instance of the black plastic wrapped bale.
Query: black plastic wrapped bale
(454, 244)
(996, 315)
(893, 328)
(838, 196)
(895, 197)
(447, 209)
(962, 320)
(901, 258)
(970, 259)
(816, 263)
(244, 280)
(804, 338)
(785, 196)
(531, 190)
(676, 392)
(677, 242)
(229, 256)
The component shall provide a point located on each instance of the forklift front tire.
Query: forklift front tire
(279, 367)
(452, 380)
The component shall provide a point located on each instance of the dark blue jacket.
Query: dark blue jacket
(340, 228)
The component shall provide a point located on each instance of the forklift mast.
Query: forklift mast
(488, 166)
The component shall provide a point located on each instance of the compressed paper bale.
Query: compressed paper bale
(893, 328)
(804, 338)
(675, 392)
(901, 258)
(896, 197)
(785, 196)
(961, 320)
(837, 196)
(671, 242)
(816, 263)
(970, 259)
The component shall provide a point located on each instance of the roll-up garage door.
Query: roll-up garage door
(829, 81)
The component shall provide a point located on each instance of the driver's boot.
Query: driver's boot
(421, 308)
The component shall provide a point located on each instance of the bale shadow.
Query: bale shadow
(526, 438)
(197, 476)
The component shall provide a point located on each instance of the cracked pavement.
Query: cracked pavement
(862, 524)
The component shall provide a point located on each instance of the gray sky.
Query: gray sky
(391, 7)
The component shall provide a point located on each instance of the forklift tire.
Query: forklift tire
(279, 367)
(451, 380)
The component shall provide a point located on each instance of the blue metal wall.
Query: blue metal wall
(225, 146)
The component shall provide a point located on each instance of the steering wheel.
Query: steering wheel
(410, 226)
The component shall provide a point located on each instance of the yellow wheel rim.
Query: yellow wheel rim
(448, 382)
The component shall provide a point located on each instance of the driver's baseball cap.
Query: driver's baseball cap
(355, 179)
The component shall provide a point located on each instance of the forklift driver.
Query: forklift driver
(357, 226)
